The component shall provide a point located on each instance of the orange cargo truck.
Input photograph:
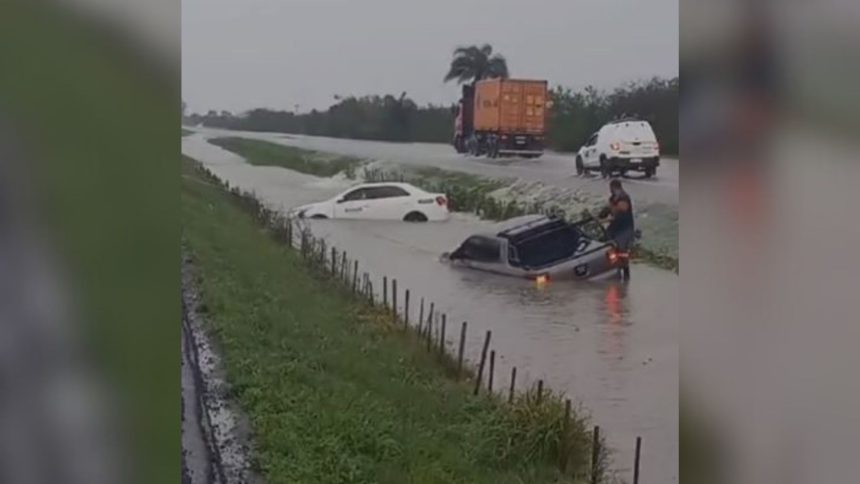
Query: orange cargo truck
(502, 117)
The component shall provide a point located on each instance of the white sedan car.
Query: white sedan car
(381, 201)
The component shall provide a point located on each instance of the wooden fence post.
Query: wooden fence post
(394, 298)
(483, 360)
(406, 310)
(492, 371)
(430, 317)
(595, 455)
(636, 462)
(539, 391)
(385, 292)
(355, 276)
(461, 349)
(442, 335)
(429, 334)
(513, 384)
(421, 318)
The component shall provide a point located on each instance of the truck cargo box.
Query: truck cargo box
(510, 106)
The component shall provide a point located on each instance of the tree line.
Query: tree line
(572, 117)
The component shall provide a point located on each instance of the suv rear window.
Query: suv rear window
(639, 130)
(548, 247)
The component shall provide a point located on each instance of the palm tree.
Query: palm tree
(473, 63)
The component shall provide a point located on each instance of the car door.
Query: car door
(389, 202)
(353, 204)
(590, 157)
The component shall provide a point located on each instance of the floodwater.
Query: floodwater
(611, 346)
(555, 169)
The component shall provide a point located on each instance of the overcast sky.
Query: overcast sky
(241, 54)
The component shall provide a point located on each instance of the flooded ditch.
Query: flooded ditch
(612, 347)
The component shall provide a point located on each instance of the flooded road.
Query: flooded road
(556, 169)
(612, 347)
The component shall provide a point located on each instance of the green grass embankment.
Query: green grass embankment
(334, 390)
(264, 153)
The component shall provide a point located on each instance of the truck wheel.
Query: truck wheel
(649, 172)
(580, 168)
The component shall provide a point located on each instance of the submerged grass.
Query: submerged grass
(264, 153)
(334, 389)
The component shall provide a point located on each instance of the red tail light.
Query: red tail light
(441, 201)
(612, 256)
(616, 256)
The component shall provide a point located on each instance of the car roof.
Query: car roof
(533, 228)
(385, 184)
(627, 120)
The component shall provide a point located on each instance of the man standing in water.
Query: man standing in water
(621, 228)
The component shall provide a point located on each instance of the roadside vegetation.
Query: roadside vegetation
(336, 391)
(264, 153)
(186, 132)
(573, 116)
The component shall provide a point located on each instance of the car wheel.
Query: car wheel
(649, 172)
(318, 216)
(604, 168)
(415, 217)
(580, 168)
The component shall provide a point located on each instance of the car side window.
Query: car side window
(387, 192)
(592, 140)
(481, 249)
(358, 194)
(513, 256)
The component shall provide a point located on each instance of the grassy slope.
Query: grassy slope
(257, 152)
(332, 395)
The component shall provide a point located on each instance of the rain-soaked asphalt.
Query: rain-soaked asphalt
(555, 169)
(611, 346)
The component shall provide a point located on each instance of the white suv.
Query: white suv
(619, 147)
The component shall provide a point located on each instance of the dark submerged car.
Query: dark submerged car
(538, 247)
